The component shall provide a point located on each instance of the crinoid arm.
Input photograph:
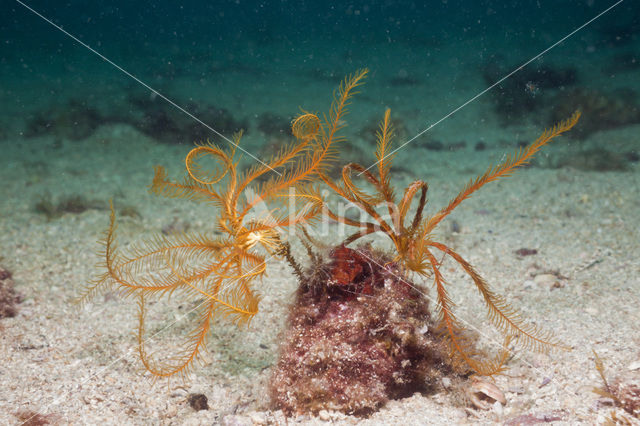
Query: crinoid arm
(320, 136)
(453, 332)
(522, 157)
(103, 282)
(182, 363)
(215, 298)
(505, 318)
(200, 182)
(384, 156)
(302, 163)
(395, 228)
(285, 157)
(338, 110)
(188, 267)
(126, 271)
(405, 204)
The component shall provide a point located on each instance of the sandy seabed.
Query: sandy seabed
(79, 364)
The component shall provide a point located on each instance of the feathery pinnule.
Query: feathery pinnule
(218, 273)
(414, 244)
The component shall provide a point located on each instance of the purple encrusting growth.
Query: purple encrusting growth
(357, 336)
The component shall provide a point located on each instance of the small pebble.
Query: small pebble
(549, 281)
(198, 401)
(634, 366)
(171, 412)
(324, 415)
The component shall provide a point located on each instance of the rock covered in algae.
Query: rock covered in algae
(358, 334)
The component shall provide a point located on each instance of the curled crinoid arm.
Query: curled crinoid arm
(209, 176)
(220, 271)
(321, 136)
(306, 127)
(414, 244)
(199, 183)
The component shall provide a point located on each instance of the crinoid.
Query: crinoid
(218, 272)
(359, 332)
(416, 249)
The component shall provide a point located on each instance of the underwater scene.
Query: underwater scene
(358, 212)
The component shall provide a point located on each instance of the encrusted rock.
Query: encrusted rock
(358, 335)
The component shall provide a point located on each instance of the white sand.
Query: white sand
(80, 365)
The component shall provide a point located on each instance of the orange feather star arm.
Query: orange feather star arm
(505, 169)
